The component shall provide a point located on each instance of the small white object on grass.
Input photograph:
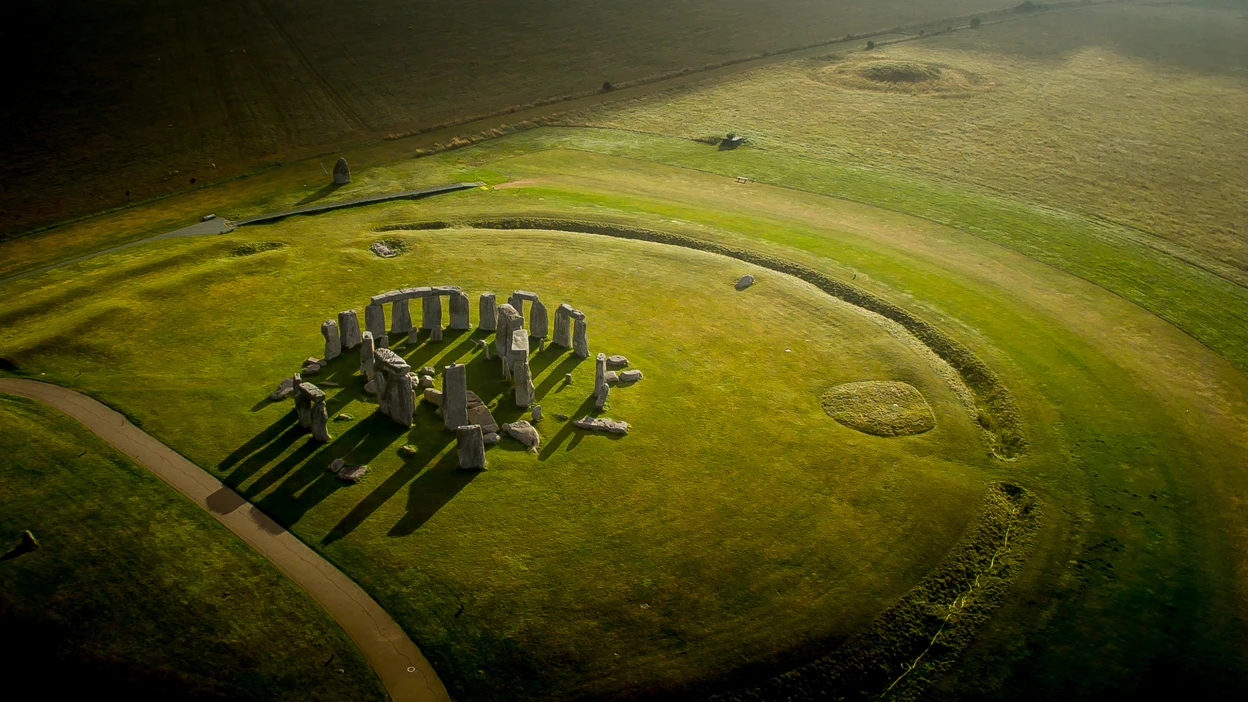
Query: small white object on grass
(788, 350)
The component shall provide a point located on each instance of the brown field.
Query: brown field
(1132, 113)
(129, 97)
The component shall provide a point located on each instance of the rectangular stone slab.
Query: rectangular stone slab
(388, 296)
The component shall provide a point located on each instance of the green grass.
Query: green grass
(879, 407)
(135, 588)
(761, 533)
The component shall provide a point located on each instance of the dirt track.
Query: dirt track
(408, 677)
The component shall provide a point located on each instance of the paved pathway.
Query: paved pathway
(408, 677)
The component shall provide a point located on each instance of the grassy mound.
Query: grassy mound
(900, 76)
(879, 407)
(900, 72)
(254, 247)
(135, 588)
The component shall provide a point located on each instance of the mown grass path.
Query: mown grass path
(400, 665)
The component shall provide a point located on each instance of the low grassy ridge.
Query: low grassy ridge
(879, 407)
(760, 534)
(136, 589)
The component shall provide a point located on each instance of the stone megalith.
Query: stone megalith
(459, 311)
(580, 339)
(471, 445)
(455, 396)
(431, 316)
(745, 282)
(375, 322)
(507, 321)
(333, 342)
(318, 416)
(400, 317)
(349, 329)
(367, 351)
(524, 432)
(488, 315)
(563, 326)
(539, 320)
(395, 397)
(342, 174)
(601, 388)
(521, 374)
(303, 404)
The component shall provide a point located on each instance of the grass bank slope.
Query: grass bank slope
(136, 589)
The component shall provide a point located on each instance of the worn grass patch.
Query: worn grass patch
(908, 77)
(254, 247)
(879, 407)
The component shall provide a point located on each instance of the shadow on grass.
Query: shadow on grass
(323, 192)
(431, 491)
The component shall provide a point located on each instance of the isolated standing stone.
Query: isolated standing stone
(580, 339)
(367, 352)
(400, 317)
(537, 413)
(342, 174)
(745, 282)
(349, 329)
(333, 342)
(459, 311)
(375, 322)
(487, 313)
(471, 444)
(539, 320)
(455, 396)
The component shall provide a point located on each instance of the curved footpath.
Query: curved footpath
(408, 677)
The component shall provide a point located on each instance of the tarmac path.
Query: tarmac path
(406, 674)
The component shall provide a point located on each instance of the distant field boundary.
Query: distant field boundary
(998, 414)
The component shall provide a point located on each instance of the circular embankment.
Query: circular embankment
(901, 76)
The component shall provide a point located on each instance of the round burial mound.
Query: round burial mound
(902, 76)
(880, 407)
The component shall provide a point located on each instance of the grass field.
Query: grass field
(751, 556)
(127, 100)
(134, 588)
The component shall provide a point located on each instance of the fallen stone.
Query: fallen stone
(630, 376)
(745, 282)
(616, 361)
(428, 370)
(612, 377)
(285, 389)
(482, 417)
(524, 432)
(407, 451)
(610, 426)
(343, 417)
(491, 439)
(561, 416)
(433, 396)
(353, 474)
(426, 381)
(382, 250)
(371, 387)
(329, 384)
(312, 369)
(311, 360)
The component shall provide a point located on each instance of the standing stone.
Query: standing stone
(303, 404)
(518, 354)
(601, 388)
(395, 397)
(367, 351)
(488, 315)
(431, 316)
(459, 311)
(563, 326)
(537, 413)
(455, 396)
(471, 444)
(342, 174)
(539, 320)
(508, 320)
(333, 343)
(580, 340)
(349, 329)
(400, 317)
(318, 416)
(375, 322)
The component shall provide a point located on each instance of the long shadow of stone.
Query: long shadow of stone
(263, 457)
(427, 350)
(431, 491)
(556, 376)
(327, 190)
(270, 433)
(312, 483)
(567, 431)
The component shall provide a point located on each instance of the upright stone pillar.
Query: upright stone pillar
(459, 311)
(487, 313)
(303, 404)
(539, 320)
(518, 355)
(471, 445)
(342, 173)
(580, 339)
(367, 351)
(333, 342)
(431, 316)
(455, 396)
(563, 326)
(318, 415)
(600, 382)
(349, 329)
(508, 321)
(375, 322)
(395, 397)
(400, 317)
